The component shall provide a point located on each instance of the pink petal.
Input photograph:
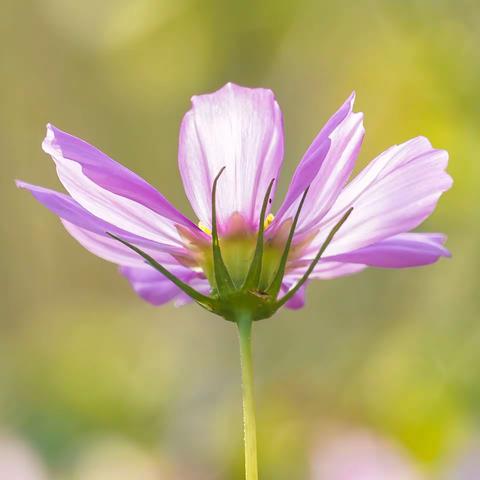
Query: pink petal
(325, 167)
(89, 231)
(112, 192)
(241, 129)
(400, 251)
(394, 194)
(69, 210)
(113, 251)
(200, 285)
(325, 270)
(153, 287)
(298, 300)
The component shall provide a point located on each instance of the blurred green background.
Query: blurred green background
(98, 384)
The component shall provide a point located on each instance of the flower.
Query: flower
(239, 255)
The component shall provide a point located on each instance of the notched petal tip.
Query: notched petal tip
(351, 99)
(49, 145)
(441, 240)
(234, 90)
(423, 139)
(33, 189)
(356, 118)
(446, 253)
(350, 103)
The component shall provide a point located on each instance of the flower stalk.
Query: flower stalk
(244, 323)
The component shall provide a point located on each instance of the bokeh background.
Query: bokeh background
(95, 384)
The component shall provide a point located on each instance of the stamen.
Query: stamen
(268, 220)
(208, 231)
(204, 228)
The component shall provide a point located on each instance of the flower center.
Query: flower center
(208, 231)
(238, 247)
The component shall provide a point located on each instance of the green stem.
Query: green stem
(244, 323)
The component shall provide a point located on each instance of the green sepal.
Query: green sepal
(314, 262)
(253, 276)
(201, 299)
(276, 284)
(223, 280)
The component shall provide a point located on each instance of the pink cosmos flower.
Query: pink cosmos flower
(237, 245)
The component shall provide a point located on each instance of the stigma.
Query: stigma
(204, 228)
(268, 220)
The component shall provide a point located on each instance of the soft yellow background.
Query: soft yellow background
(91, 377)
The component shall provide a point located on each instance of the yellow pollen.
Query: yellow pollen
(268, 220)
(204, 228)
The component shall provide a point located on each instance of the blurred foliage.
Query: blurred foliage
(82, 359)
